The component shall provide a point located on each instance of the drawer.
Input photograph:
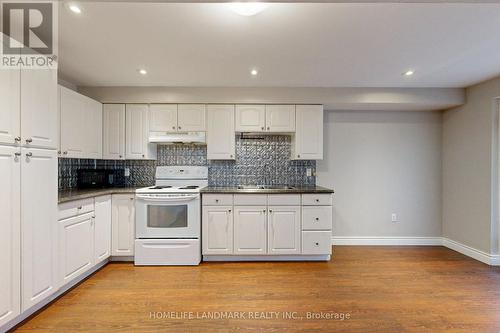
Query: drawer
(316, 242)
(316, 218)
(284, 199)
(316, 199)
(250, 199)
(74, 208)
(217, 199)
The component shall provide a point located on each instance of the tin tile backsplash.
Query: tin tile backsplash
(260, 160)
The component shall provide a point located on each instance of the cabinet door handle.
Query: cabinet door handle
(17, 154)
(179, 127)
(262, 128)
(270, 210)
(79, 207)
(17, 139)
(65, 153)
(298, 156)
(263, 211)
(29, 140)
(120, 156)
(143, 155)
(231, 156)
(268, 128)
(29, 154)
(229, 211)
(216, 200)
(173, 127)
(317, 219)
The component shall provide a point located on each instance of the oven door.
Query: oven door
(167, 215)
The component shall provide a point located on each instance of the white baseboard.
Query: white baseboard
(489, 259)
(341, 240)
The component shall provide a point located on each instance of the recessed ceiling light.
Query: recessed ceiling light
(247, 8)
(254, 72)
(143, 71)
(409, 72)
(75, 9)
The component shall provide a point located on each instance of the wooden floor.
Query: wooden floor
(380, 289)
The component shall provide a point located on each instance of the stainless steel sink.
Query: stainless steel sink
(265, 187)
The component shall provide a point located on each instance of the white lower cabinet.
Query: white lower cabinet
(10, 225)
(250, 230)
(123, 224)
(102, 228)
(76, 246)
(217, 230)
(316, 242)
(38, 224)
(284, 230)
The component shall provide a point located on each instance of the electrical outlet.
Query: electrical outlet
(394, 217)
(309, 172)
(127, 172)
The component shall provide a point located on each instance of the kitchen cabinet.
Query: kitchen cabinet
(250, 118)
(81, 125)
(220, 132)
(217, 230)
(307, 143)
(38, 224)
(123, 224)
(163, 118)
(10, 228)
(280, 118)
(284, 230)
(102, 228)
(113, 131)
(137, 146)
(250, 230)
(76, 246)
(39, 125)
(191, 117)
(10, 94)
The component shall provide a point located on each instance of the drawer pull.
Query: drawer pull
(317, 244)
(317, 219)
(79, 207)
(317, 200)
(217, 200)
(263, 211)
(229, 211)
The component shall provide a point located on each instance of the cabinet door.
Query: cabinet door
(113, 131)
(38, 224)
(92, 138)
(217, 230)
(39, 125)
(10, 252)
(250, 118)
(220, 132)
(73, 124)
(76, 246)
(136, 138)
(308, 140)
(280, 118)
(250, 231)
(123, 225)
(9, 106)
(191, 117)
(163, 118)
(284, 230)
(102, 228)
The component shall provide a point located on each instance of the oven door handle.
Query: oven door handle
(167, 199)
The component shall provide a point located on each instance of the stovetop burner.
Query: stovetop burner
(190, 187)
(159, 187)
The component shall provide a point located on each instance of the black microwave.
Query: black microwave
(100, 178)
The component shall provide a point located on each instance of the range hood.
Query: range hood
(181, 137)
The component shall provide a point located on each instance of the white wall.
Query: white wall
(470, 169)
(383, 162)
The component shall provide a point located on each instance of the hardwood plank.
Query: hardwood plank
(383, 289)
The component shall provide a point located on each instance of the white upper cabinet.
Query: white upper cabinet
(307, 143)
(38, 225)
(163, 118)
(284, 230)
(280, 118)
(220, 132)
(10, 130)
(81, 125)
(39, 126)
(113, 131)
(250, 118)
(10, 228)
(137, 146)
(191, 117)
(250, 232)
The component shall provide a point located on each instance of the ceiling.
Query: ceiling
(291, 45)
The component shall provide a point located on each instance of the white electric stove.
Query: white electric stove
(168, 217)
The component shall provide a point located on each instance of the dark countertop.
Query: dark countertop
(297, 189)
(76, 194)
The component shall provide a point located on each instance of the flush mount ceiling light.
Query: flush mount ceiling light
(254, 72)
(75, 9)
(247, 8)
(409, 72)
(142, 71)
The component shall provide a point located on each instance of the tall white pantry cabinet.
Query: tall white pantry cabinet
(28, 195)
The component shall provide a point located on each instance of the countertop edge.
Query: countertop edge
(73, 195)
(298, 190)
